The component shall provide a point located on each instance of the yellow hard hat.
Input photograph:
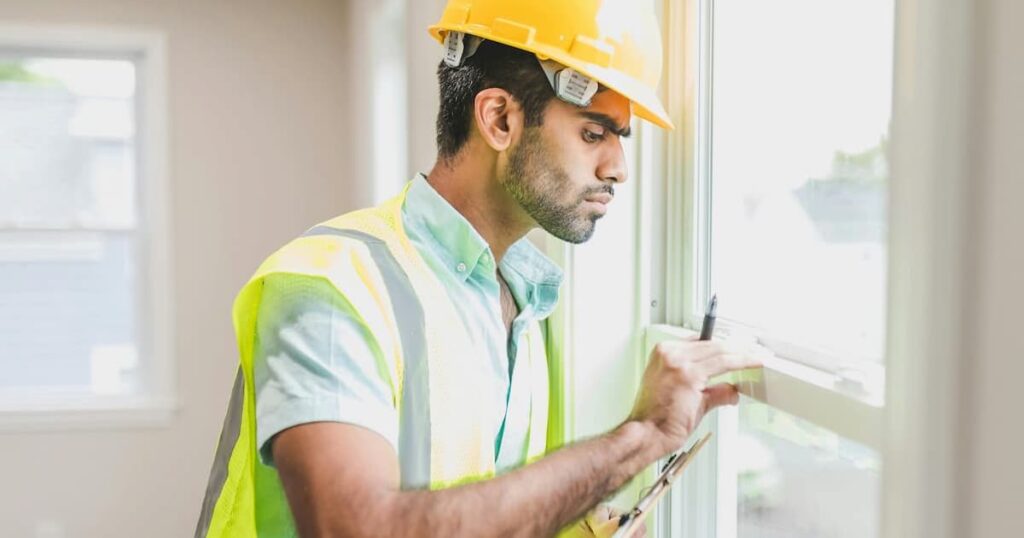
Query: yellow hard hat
(615, 42)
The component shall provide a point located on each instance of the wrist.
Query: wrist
(641, 438)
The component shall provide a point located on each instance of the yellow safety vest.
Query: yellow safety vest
(367, 256)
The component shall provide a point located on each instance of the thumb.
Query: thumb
(719, 395)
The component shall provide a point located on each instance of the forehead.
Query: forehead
(606, 102)
(611, 104)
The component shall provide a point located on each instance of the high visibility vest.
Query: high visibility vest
(367, 256)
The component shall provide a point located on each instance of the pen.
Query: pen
(709, 318)
(706, 329)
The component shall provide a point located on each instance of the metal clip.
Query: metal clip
(457, 48)
(569, 84)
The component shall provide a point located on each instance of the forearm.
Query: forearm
(536, 500)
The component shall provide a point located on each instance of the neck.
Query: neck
(473, 190)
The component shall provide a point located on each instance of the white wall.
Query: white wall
(260, 132)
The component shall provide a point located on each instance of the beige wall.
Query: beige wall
(263, 124)
(259, 131)
(995, 444)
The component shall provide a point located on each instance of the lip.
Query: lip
(598, 207)
(601, 198)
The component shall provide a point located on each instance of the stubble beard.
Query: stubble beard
(534, 179)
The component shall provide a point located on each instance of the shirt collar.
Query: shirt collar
(533, 278)
(457, 240)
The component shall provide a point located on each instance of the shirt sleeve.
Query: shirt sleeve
(315, 361)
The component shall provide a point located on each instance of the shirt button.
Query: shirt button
(461, 267)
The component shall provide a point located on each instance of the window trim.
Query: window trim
(935, 135)
(804, 392)
(805, 387)
(157, 402)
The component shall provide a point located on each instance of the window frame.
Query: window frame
(798, 380)
(156, 401)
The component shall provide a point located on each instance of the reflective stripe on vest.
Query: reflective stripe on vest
(368, 258)
(414, 424)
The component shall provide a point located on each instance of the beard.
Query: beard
(535, 180)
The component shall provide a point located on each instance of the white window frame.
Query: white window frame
(798, 380)
(156, 402)
(922, 428)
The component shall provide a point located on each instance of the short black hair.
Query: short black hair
(492, 66)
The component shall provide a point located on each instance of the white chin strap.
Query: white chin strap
(569, 84)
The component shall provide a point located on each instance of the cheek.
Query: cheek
(569, 166)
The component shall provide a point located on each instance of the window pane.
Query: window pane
(68, 139)
(797, 480)
(800, 122)
(67, 313)
(68, 275)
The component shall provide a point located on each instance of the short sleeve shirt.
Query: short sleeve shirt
(315, 361)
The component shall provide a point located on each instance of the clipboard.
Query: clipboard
(673, 469)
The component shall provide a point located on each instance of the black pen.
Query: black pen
(709, 318)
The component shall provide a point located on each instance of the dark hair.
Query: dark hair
(492, 66)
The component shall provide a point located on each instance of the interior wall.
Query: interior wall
(995, 362)
(263, 121)
(259, 140)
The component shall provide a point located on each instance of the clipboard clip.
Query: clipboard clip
(671, 470)
(671, 459)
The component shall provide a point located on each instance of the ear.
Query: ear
(499, 119)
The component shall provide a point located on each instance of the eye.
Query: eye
(592, 137)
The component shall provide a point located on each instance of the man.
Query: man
(394, 378)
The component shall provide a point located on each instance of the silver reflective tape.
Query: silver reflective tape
(228, 437)
(414, 415)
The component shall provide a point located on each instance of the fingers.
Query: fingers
(602, 513)
(700, 350)
(719, 395)
(606, 529)
(704, 360)
(724, 363)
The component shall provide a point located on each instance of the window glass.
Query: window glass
(796, 480)
(800, 115)
(68, 271)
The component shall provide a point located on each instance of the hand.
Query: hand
(674, 394)
(601, 522)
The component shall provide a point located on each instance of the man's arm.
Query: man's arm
(343, 480)
(331, 495)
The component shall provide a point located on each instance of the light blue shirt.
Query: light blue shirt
(315, 362)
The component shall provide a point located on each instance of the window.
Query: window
(783, 113)
(800, 108)
(796, 479)
(81, 224)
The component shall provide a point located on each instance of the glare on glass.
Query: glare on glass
(800, 125)
(68, 216)
(796, 480)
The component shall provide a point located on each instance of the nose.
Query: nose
(613, 165)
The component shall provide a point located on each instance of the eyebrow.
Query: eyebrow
(607, 122)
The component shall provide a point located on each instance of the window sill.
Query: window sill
(814, 395)
(87, 413)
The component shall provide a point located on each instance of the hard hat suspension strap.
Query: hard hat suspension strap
(569, 84)
(458, 47)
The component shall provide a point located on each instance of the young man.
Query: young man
(394, 378)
